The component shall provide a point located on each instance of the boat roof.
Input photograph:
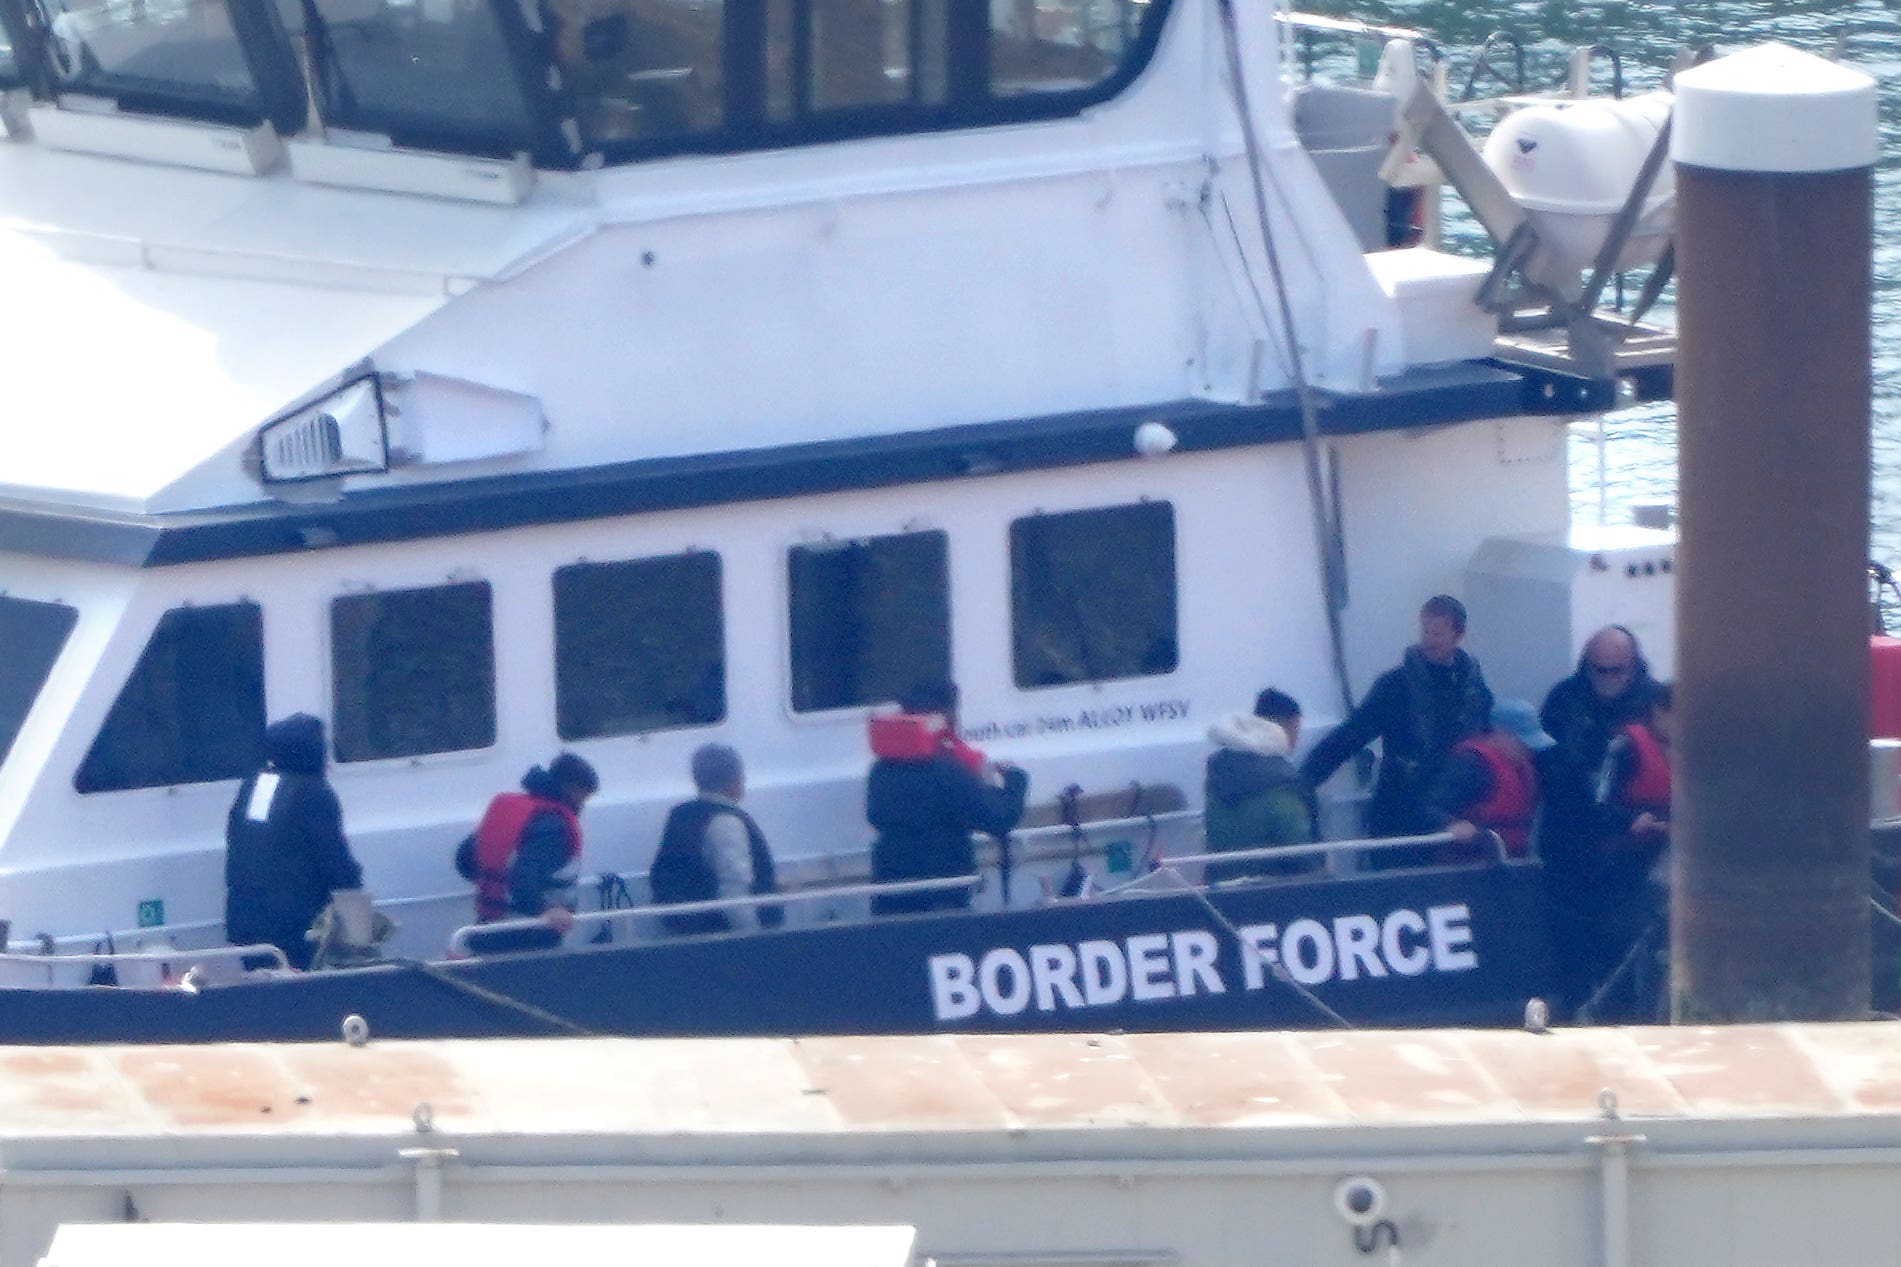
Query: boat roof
(172, 310)
(1019, 1098)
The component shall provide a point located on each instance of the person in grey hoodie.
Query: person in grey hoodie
(1254, 797)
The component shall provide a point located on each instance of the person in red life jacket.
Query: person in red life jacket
(1490, 784)
(711, 848)
(927, 792)
(1627, 896)
(285, 852)
(1633, 796)
(522, 854)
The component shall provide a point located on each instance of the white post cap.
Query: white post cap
(1775, 109)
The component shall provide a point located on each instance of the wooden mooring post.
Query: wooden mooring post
(1774, 151)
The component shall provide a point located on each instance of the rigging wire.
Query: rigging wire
(1325, 511)
(1275, 968)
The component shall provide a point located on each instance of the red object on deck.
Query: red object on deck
(1884, 687)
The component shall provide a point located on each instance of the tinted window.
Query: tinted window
(869, 619)
(200, 58)
(834, 54)
(638, 646)
(193, 709)
(413, 671)
(638, 70)
(1042, 46)
(1092, 594)
(434, 74)
(32, 634)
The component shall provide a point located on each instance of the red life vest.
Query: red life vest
(1508, 808)
(496, 840)
(1648, 787)
(919, 737)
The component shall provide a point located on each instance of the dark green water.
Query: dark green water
(1640, 445)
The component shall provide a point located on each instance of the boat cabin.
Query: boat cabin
(490, 378)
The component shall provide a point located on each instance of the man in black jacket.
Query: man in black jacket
(711, 848)
(925, 802)
(285, 852)
(1418, 711)
(1611, 689)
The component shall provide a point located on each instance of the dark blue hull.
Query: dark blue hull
(1460, 946)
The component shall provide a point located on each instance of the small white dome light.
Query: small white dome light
(1152, 439)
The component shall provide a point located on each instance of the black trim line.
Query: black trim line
(1420, 398)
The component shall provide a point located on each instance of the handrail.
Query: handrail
(459, 940)
(1326, 848)
(1105, 824)
(116, 957)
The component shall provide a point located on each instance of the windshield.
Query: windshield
(433, 74)
(199, 58)
(32, 634)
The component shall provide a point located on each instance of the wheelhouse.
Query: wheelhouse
(581, 83)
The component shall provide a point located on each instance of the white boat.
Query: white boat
(621, 375)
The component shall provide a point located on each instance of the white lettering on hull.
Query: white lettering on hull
(1145, 968)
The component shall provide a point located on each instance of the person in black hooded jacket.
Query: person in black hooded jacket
(1418, 711)
(925, 804)
(285, 851)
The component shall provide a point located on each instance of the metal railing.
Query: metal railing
(1328, 848)
(459, 940)
(116, 958)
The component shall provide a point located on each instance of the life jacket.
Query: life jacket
(681, 872)
(1648, 786)
(1508, 808)
(919, 737)
(497, 838)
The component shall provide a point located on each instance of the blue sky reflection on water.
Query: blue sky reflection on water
(1640, 447)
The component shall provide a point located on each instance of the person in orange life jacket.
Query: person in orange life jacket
(1418, 711)
(1633, 797)
(523, 851)
(711, 848)
(1252, 795)
(1626, 897)
(285, 852)
(926, 793)
(1490, 784)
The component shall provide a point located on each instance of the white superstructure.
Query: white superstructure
(722, 433)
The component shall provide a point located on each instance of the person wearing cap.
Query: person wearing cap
(1253, 798)
(1418, 711)
(926, 793)
(1490, 784)
(521, 856)
(285, 851)
(711, 849)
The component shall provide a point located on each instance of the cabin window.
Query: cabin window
(639, 646)
(225, 61)
(641, 70)
(430, 74)
(824, 55)
(413, 671)
(869, 618)
(1045, 46)
(193, 709)
(1092, 594)
(33, 635)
